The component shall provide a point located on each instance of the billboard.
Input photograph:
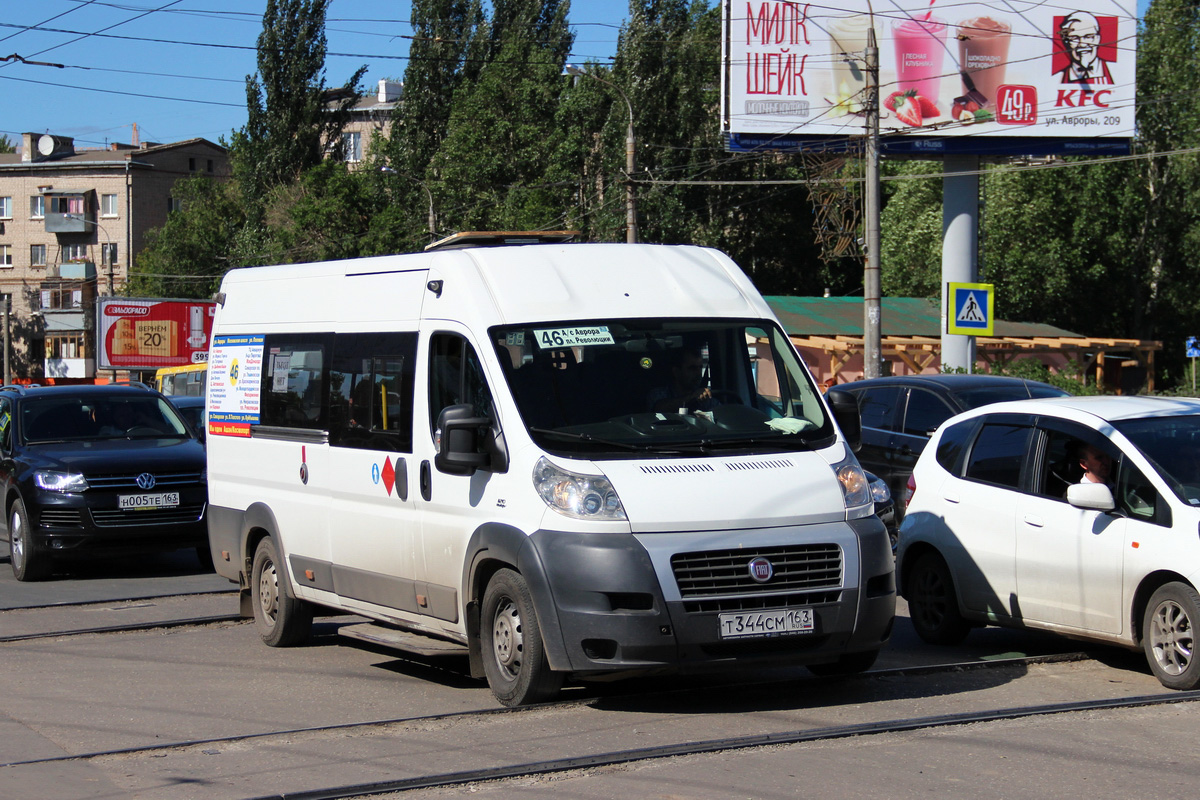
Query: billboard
(142, 333)
(1026, 78)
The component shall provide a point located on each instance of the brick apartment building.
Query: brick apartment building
(370, 116)
(70, 222)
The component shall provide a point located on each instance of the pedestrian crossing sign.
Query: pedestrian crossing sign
(971, 309)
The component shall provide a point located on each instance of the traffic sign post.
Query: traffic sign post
(1193, 352)
(971, 311)
(972, 307)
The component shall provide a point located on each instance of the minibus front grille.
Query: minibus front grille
(714, 574)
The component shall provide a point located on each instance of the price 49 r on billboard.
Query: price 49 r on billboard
(143, 333)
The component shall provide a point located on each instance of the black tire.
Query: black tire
(849, 664)
(281, 619)
(1169, 636)
(29, 561)
(932, 602)
(514, 658)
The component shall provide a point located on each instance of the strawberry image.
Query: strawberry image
(928, 107)
(907, 109)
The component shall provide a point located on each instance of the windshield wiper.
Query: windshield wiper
(587, 437)
(789, 442)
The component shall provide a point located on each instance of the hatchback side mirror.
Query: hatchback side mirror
(1092, 496)
(845, 414)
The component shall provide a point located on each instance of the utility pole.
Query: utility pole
(631, 231)
(872, 349)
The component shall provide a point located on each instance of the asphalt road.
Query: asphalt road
(210, 712)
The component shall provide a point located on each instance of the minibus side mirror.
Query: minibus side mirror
(462, 433)
(845, 414)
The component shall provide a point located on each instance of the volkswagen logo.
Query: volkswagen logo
(761, 569)
(147, 481)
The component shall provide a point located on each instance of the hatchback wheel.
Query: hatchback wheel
(1169, 636)
(932, 602)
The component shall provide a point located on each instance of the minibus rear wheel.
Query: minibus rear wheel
(514, 658)
(282, 619)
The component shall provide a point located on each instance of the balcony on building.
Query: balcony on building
(67, 311)
(68, 212)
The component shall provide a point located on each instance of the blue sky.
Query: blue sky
(177, 68)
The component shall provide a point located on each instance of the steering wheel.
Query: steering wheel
(143, 430)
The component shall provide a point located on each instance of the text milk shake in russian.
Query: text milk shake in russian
(920, 47)
(983, 54)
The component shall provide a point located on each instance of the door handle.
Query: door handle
(950, 497)
(1032, 521)
(401, 478)
(426, 481)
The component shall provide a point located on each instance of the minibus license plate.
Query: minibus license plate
(766, 623)
(131, 502)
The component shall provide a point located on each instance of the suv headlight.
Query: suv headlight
(880, 492)
(856, 491)
(55, 481)
(576, 496)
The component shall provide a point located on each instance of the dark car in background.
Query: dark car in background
(899, 414)
(885, 507)
(191, 408)
(97, 469)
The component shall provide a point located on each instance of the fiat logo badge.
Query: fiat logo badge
(761, 569)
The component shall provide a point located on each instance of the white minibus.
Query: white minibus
(558, 459)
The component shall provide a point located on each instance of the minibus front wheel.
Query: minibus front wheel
(514, 658)
(282, 619)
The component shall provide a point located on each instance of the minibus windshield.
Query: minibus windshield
(669, 386)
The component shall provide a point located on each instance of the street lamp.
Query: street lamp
(631, 234)
(432, 220)
(103, 248)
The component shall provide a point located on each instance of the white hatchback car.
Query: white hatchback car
(1000, 529)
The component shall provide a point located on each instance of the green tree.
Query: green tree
(292, 124)
(491, 166)
(668, 65)
(188, 256)
(6, 146)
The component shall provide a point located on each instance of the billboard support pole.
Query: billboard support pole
(872, 355)
(960, 239)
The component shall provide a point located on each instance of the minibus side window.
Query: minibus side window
(455, 376)
(371, 391)
(294, 368)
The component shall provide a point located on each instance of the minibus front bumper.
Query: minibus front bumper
(698, 600)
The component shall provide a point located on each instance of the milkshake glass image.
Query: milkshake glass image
(983, 54)
(848, 46)
(920, 45)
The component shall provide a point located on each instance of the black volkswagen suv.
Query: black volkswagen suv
(88, 469)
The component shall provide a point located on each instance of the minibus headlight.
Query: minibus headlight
(856, 491)
(55, 481)
(576, 496)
